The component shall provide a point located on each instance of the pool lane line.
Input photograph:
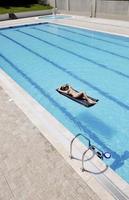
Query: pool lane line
(124, 39)
(110, 97)
(76, 54)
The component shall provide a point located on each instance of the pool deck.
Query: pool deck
(30, 167)
(34, 146)
(106, 25)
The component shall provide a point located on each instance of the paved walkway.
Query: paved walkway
(30, 168)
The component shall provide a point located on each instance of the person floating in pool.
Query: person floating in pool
(67, 89)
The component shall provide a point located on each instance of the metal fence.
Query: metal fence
(112, 9)
(116, 9)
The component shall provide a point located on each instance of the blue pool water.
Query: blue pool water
(42, 57)
(55, 17)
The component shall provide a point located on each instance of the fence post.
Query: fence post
(55, 4)
(128, 11)
(93, 8)
(68, 5)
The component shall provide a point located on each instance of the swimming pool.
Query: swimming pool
(42, 57)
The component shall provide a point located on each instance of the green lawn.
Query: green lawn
(34, 7)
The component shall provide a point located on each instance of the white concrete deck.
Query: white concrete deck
(101, 179)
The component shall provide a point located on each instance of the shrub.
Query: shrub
(7, 3)
(42, 2)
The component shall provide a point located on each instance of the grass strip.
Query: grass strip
(34, 7)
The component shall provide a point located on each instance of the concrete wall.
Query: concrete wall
(62, 4)
(114, 9)
(83, 6)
